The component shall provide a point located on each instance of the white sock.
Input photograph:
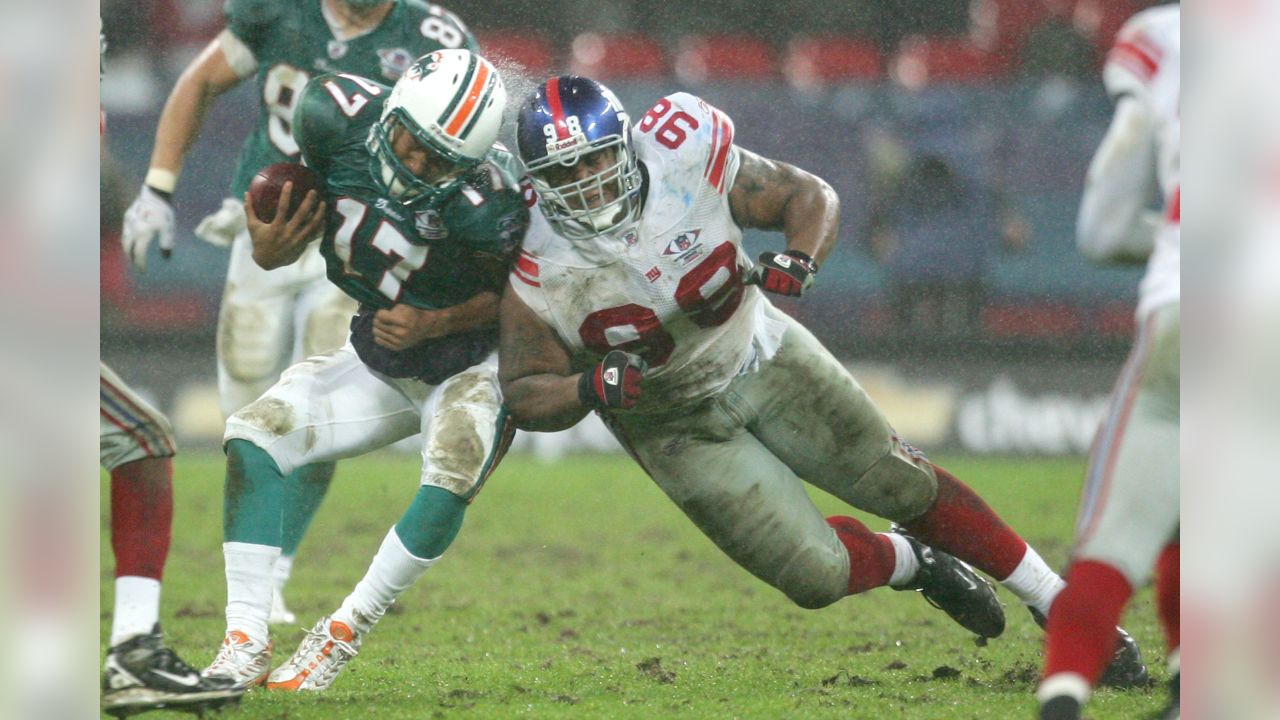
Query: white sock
(1064, 683)
(283, 569)
(392, 571)
(249, 571)
(1034, 582)
(905, 563)
(137, 607)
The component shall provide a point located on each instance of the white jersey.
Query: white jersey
(1142, 147)
(667, 288)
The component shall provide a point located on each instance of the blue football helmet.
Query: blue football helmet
(574, 139)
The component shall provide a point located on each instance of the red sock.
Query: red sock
(960, 523)
(871, 555)
(1081, 634)
(141, 516)
(1169, 594)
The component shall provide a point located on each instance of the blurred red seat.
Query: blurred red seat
(526, 48)
(1001, 26)
(602, 56)
(940, 60)
(725, 57)
(824, 60)
(1100, 20)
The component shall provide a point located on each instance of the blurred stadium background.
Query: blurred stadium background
(957, 133)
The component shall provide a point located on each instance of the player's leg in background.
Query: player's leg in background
(1128, 514)
(465, 433)
(140, 673)
(288, 427)
(264, 325)
(137, 448)
(826, 428)
(322, 315)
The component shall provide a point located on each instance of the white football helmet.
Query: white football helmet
(451, 102)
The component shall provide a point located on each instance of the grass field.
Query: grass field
(577, 590)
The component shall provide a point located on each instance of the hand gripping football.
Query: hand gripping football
(264, 189)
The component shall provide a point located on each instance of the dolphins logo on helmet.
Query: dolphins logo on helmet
(451, 103)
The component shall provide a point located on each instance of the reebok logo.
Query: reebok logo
(782, 261)
(969, 584)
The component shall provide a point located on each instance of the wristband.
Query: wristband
(162, 181)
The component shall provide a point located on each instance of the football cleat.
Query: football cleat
(242, 660)
(141, 674)
(280, 613)
(326, 649)
(1062, 707)
(1173, 711)
(954, 588)
(1126, 668)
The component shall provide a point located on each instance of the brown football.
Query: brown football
(264, 189)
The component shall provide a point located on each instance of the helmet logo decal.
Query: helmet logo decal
(575, 134)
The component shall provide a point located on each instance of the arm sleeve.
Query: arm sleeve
(1115, 223)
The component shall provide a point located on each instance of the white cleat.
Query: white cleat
(242, 660)
(280, 614)
(326, 649)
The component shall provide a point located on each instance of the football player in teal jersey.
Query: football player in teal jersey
(421, 218)
(268, 321)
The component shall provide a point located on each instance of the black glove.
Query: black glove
(789, 273)
(614, 383)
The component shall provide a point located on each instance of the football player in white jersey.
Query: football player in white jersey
(633, 297)
(1129, 516)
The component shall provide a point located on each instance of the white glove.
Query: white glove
(148, 216)
(224, 225)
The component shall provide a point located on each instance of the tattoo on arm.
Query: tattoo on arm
(761, 191)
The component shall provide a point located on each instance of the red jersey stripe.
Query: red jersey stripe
(1136, 58)
(722, 154)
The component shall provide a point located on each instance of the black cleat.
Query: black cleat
(1126, 669)
(1063, 707)
(142, 674)
(954, 588)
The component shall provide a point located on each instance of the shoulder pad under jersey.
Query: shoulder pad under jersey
(488, 214)
(692, 140)
(437, 24)
(334, 111)
(250, 20)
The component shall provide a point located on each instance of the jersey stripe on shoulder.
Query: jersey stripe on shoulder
(721, 141)
(526, 269)
(1137, 54)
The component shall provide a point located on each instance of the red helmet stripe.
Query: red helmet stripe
(557, 110)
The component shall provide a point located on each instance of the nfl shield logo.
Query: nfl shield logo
(430, 225)
(394, 62)
(337, 49)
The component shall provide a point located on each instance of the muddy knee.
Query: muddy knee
(817, 576)
(899, 486)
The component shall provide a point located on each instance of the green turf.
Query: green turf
(576, 590)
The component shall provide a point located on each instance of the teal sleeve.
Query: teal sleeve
(251, 20)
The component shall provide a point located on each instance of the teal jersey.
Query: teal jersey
(292, 42)
(381, 252)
